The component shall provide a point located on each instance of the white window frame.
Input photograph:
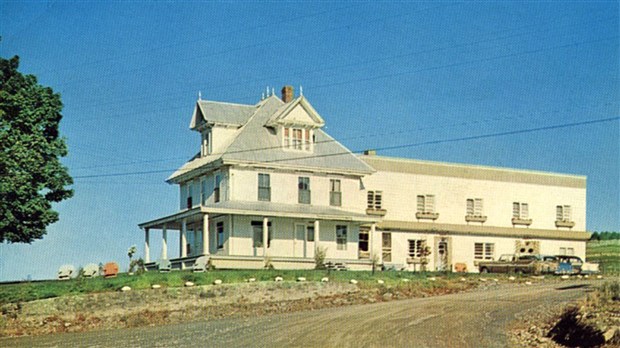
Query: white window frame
(475, 207)
(484, 251)
(425, 204)
(301, 181)
(335, 192)
(217, 190)
(266, 196)
(416, 247)
(219, 234)
(520, 210)
(203, 191)
(298, 139)
(374, 200)
(342, 232)
(563, 213)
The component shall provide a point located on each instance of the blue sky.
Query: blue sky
(380, 74)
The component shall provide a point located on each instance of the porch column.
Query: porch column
(183, 239)
(317, 238)
(371, 240)
(164, 242)
(147, 251)
(205, 234)
(265, 235)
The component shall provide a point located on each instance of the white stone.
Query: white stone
(406, 280)
(511, 278)
(251, 280)
(278, 279)
(579, 276)
(217, 282)
(189, 284)
(125, 288)
(496, 280)
(566, 276)
(599, 277)
(380, 281)
(301, 279)
(586, 276)
(483, 279)
(353, 281)
(432, 279)
(528, 283)
(463, 279)
(155, 286)
(324, 280)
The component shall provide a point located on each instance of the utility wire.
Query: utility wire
(433, 142)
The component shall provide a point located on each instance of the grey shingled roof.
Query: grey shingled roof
(256, 143)
(217, 112)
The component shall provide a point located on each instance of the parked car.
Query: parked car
(571, 264)
(512, 263)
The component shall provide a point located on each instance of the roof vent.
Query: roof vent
(288, 93)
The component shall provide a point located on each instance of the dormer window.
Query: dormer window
(205, 147)
(299, 139)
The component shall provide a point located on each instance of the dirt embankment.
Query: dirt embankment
(174, 305)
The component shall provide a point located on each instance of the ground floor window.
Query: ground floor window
(310, 234)
(341, 237)
(386, 246)
(257, 234)
(416, 247)
(363, 240)
(219, 227)
(484, 251)
(567, 251)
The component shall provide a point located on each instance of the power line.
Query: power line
(433, 142)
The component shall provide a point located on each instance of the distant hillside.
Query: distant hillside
(606, 253)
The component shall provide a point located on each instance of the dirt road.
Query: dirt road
(472, 319)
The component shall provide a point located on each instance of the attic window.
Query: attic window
(299, 139)
(205, 145)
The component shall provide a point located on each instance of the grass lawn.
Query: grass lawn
(12, 293)
(606, 253)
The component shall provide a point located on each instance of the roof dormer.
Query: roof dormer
(296, 112)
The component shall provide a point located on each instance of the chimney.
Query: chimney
(288, 93)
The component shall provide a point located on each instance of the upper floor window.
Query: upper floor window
(298, 138)
(216, 188)
(190, 194)
(563, 213)
(203, 191)
(374, 199)
(335, 195)
(264, 187)
(304, 190)
(426, 204)
(205, 145)
(520, 210)
(474, 207)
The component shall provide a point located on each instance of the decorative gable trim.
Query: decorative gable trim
(281, 117)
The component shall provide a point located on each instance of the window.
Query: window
(386, 246)
(341, 237)
(335, 196)
(264, 187)
(563, 213)
(474, 207)
(426, 204)
(567, 251)
(257, 234)
(416, 247)
(304, 190)
(363, 240)
(520, 210)
(374, 200)
(190, 194)
(310, 234)
(216, 188)
(484, 251)
(298, 138)
(219, 227)
(205, 148)
(203, 191)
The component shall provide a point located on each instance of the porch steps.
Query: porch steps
(335, 266)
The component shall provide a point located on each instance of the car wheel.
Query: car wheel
(484, 270)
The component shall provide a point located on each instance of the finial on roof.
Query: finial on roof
(199, 95)
(267, 91)
(262, 96)
(301, 90)
(273, 91)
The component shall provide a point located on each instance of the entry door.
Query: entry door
(442, 256)
(299, 241)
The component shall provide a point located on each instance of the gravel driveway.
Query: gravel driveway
(476, 318)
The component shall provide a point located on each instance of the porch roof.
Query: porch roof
(267, 209)
(477, 230)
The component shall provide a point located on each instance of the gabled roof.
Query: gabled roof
(286, 115)
(221, 113)
(257, 143)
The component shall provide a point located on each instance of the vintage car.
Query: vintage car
(511, 263)
(571, 264)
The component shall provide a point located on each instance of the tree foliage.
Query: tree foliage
(31, 175)
(605, 235)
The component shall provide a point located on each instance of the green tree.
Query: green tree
(31, 175)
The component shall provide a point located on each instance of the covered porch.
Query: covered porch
(261, 234)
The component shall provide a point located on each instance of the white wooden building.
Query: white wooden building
(271, 187)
